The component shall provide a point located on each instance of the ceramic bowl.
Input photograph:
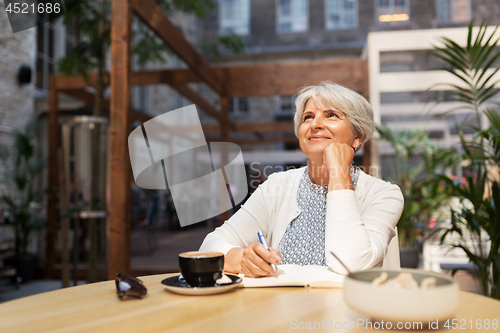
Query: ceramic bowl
(392, 304)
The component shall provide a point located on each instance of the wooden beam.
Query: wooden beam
(259, 135)
(120, 170)
(148, 77)
(224, 124)
(88, 98)
(269, 127)
(255, 140)
(64, 82)
(224, 135)
(169, 76)
(139, 116)
(198, 100)
(64, 208)
(50, 239)
(254, 80)
(273, 78)
(287, 78)
(154, 17)
(270, 79)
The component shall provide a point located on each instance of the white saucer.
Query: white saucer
(179, 286)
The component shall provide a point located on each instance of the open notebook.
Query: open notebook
(313, 276)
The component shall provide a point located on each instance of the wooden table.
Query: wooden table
(96, 308)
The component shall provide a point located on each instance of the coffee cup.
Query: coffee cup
(201, 269)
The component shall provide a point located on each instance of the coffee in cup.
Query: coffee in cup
(201, 269)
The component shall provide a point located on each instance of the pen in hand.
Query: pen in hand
(262, 240)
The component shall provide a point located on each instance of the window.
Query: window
(286, 108)
(234, 17)
(141, 98)
(292, 15)
(287, 103)
(341, 14)
(238, 105)
(453, 11)
(393, 12)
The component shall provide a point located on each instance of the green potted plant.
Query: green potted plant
(21, 196)
(413, 155)
(477, 221)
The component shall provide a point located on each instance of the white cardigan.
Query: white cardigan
(359, 224)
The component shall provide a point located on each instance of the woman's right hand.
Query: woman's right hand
(253, 261)
(256, 260)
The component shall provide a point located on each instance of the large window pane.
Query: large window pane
(341, 14)
(392, 12)
(238, 106)
(292, 15)
(453, 11)
(286, 8)
(234, 17)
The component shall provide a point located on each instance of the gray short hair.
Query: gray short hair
(356, 107)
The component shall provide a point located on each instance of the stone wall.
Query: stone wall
(16, 102)
(16, 49)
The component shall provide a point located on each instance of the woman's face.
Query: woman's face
(322, 125)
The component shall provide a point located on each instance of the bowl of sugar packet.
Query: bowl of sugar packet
(401, 295)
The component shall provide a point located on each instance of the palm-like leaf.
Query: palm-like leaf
(472, 66)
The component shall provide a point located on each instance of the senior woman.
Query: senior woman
(329, 205)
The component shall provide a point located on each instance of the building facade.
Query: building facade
(312, 29)
(303, 30)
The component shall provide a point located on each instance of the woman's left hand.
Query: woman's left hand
(337, 159)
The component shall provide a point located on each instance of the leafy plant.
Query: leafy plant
(472, 65)
(22, 168)
(477, 222)
(419, 195)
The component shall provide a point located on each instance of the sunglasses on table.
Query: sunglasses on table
(129, 286)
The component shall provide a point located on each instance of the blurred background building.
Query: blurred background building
(302, 30)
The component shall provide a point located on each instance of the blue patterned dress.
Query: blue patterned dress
(304, 239)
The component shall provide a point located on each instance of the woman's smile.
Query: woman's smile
(318, 138)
